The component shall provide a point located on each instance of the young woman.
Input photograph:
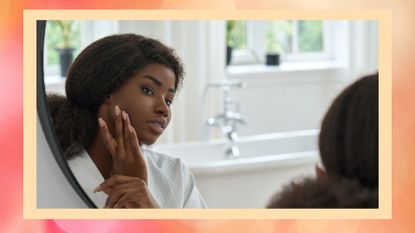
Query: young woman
(119, 92)
(348, 146)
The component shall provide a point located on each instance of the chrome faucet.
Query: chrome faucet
(230, 118)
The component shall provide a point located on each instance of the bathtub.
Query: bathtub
(266, 162)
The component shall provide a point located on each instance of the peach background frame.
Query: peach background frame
(385, 115)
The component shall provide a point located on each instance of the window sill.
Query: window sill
(261, 70)
(54, 80)
(55, 84)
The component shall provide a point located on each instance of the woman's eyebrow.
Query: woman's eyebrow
(158, 82)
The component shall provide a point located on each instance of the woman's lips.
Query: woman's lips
(156, 127)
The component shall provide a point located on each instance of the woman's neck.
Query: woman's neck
(101, 157)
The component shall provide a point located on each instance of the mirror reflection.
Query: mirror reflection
(200, 114)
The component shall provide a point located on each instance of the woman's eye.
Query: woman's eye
(169, 102)
(147, 91)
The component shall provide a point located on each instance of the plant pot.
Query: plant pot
(65, 59)
(228, 55)
(272, 59)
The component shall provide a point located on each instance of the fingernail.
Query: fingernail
(124, 115)
(101, 122)
(97, 189)
(117, 110)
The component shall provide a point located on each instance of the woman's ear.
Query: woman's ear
(320, 172)
(108, 99)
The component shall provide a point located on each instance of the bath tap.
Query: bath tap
(229, 118)
(232, 152)
(228, 121)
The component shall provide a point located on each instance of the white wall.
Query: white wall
(287, 101)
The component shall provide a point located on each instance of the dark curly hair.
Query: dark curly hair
(98, 71)
(348, 146)
(326, 193)
(349, 133)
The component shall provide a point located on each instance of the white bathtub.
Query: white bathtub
(265, 163)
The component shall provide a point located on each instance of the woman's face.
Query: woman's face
(147, 97)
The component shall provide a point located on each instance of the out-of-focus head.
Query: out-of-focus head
(349, 151)
(349, 133)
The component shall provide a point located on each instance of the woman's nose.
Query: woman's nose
(162, 108)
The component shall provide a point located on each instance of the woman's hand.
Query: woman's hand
(126, 192)
(127, 158)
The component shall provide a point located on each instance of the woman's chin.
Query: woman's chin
(148, 141)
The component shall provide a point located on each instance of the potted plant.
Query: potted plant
(274, 47)
(230, 39)
(65, 47)
(274, 50)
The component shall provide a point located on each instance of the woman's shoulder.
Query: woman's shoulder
(161, 160)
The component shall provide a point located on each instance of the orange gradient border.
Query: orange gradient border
(385, 115)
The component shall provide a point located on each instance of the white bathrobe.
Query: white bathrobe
(170, 182)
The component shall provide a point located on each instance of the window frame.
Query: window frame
(255, 52)
(90, 30)
(54, 69)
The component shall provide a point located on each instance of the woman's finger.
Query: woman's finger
(134, 143)
(130, 188)
(118, 131)
(114, 142)
(115, 180)
(134, 191)
(106, 136)
(130, 201)
(126, 133)
(136, 151)
(116, 193)
(128, 204)
(141, 199)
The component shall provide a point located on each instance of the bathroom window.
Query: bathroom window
(295, 40)
(73, 34)
(60, 35)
